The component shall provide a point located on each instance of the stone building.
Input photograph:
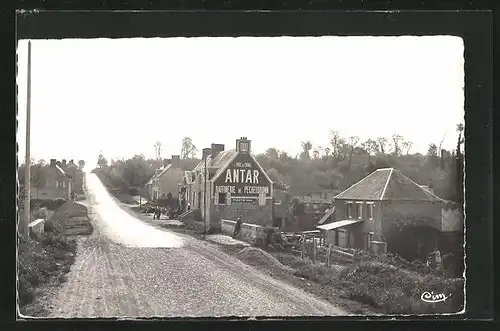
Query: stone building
(387, 206)
(167, 179)
(227, 184)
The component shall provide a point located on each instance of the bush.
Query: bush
(38, 261)
(394, 290)
(309, 270)
(39, 213)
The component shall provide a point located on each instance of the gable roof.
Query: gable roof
(163, 171)
(222, 161)
(156, 174)
(327, 215)
(61, 171)
(218, 162)
(387, 184)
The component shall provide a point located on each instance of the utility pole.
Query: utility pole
(205, 196)
(27, 182)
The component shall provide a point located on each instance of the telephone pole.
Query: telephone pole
(27, 182)
(205, 195)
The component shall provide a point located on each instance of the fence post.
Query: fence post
(314, 249)
(303, 247)
(329, 256)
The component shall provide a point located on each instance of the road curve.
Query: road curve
(130, 269)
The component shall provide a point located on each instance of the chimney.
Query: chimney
(166, 162)
(243, 145)
(53, 163)
(206, 152)
(175, 161)
(216, 149)
(63, 163)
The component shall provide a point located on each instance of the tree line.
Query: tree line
(332, 167)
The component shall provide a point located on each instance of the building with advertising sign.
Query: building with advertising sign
(227, 184)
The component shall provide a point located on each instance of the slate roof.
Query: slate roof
(387, 184)
(61, 171)
(327, 215)
(218, 162)
(162, 169)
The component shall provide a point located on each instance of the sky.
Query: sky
(119, 96)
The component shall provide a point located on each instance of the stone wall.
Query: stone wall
(250, 233)
(36, 228)
(402, 213)
(451, 219)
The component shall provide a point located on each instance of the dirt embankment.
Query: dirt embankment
(43, 262)
(369, 287)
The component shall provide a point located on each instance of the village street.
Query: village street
(131, 269)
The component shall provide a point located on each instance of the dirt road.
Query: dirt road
(130, 269)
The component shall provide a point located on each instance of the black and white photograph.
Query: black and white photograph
(241, 177)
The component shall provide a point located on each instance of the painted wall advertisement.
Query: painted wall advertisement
(243, 180)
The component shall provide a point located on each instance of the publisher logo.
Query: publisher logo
(432, 297)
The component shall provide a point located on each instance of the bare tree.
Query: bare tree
(317, 152)
(353, 141)
(460, 129)
(306, 147)
(406, 145)
(188, 149)
(382, 143)
(397, 141)
(326, 152)
(338, 145)
(157, 147)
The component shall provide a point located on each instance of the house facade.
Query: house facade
(387, 206)
(227, 184)
(168, 179)
(56, 185)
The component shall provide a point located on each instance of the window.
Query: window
(360, 210)
(244, 147)
(222, 199)
(349, 209)
(370, 210)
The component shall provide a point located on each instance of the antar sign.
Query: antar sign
(246, 176)
(243, 178)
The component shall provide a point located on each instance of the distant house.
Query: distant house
(316, 205)
(76, 176)
(168, 179)
(57, 182)
(388, 206)
(282, 205)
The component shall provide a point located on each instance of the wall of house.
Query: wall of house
(396, 213)
(50, 190)
(251, 213)
(169, 181)
(361, 230)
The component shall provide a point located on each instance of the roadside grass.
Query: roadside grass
(41, 261)
(392, 290)
(47, 259)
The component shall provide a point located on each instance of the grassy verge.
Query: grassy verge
(392, 290)
(41, 262)
(45, 261)
(371, 287)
